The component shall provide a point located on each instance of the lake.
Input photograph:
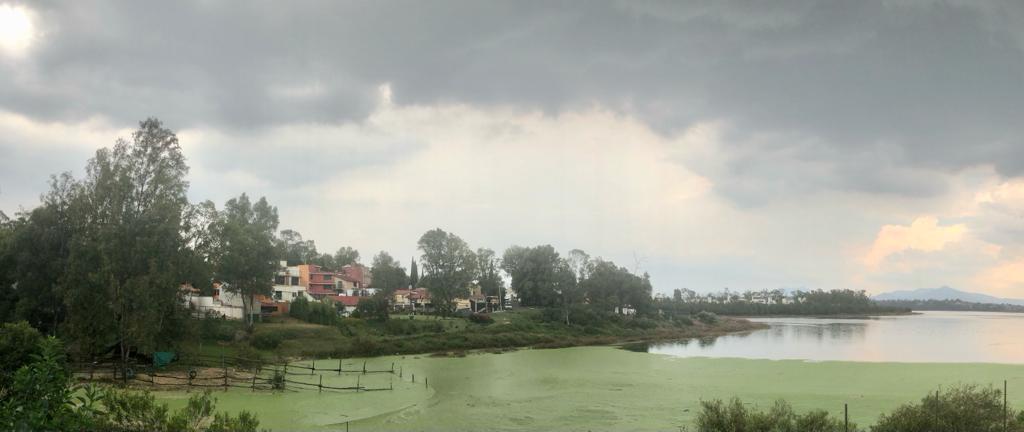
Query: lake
(607, 388)
(931, 337)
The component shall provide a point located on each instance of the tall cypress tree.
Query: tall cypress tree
(414, 274)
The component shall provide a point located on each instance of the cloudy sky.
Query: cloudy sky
(873, 145)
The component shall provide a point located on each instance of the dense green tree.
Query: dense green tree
(613, 288)
(128, 254)
(488, 272)
(388, 274)
(448, 268)
(293, 249)
(539, 274)
(245, 259)
(39, 246)
(19, 342)
(345, 255)
(374, 308)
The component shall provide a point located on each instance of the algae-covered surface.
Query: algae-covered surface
(598, 388)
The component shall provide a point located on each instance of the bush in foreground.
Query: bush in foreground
(717, 416)
(965, 408)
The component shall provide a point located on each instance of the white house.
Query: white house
(287, 286)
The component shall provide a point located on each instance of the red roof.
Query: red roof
(345, 300)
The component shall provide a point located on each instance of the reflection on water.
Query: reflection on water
(942, 337)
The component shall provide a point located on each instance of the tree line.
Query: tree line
(101, 260)
(775, 302)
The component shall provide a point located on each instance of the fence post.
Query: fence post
(364, 366)
(312, 369)
(357, 383)
(846, 417)
(392, 368)
(400, 369)
(414, 378)
(426, 382)
(321, 385)
(339, 366)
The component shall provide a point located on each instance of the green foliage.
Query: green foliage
(488, 272)
(614, 288)
(299, 308)
(267, 340)
(41, 398)
(775, 302)
(448, 268)
(293, 249)
(19, 343)
(39, 394)
(962, 408)
(245, 261)
(706, 317)
(538, 274)
(373, 308)
(414, 274)
(322, 313)
(388, 275)
(716, 416)
(344, 256)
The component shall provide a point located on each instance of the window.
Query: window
(278, 280)
(277, 295)
(295, 280)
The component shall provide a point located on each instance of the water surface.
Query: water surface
(931, 337)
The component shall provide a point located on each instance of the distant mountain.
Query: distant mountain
(945, 293)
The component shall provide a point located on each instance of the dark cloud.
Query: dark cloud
(876, 86)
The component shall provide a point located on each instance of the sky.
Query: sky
(874, 145)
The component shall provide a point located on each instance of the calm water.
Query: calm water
(932, 337)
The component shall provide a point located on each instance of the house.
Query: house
(317, 280)
(288, 284)
(411, 299)
(345, 304)
(353, 277)
(222, 303)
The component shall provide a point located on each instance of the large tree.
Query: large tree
(294, 249)
(538, 274)
(346, 255)
(613, 288)
(388, 274)
(245, 260)
(488, 272)
(128, 254)
(448, 268)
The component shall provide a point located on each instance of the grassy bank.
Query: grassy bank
(404, 334)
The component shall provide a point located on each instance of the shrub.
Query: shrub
(682, 321)
(706, 317)
(18, 343)
(267, 340)
(959, 408)
(373, 308)
(716, 416)
(481, 318)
